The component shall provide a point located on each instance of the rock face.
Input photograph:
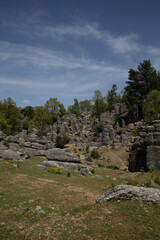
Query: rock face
(145, 151)
(11, 155)
(62, 159)
(128, 192)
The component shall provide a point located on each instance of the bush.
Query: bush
(89, 159)
(95, 154)
(61, 141)
(114, 167)
(98, 129)
(157, 180)
(55, 170)
(92, 170)
(100, 165)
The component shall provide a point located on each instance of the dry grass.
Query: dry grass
(69, 205)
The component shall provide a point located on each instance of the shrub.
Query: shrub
(89, 159)
(58, 129)
(55, 170)
(61, 141)
(87, 149)
(157, 180)
(114, 167)
(98, 129)
(95, 154)
(68, 174)
(92, 170)
(100, 165)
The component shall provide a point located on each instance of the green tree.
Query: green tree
(10, 116)
(151, 106)
(28, 111)
(75, 109)
(141, 82)
(55, 108)
(85, 105)
(99, 105)
(111, 97)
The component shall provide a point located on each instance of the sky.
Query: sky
(67, 49)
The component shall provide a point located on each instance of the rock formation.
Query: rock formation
(128, 192)
(145, 151)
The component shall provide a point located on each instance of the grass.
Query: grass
(69, 205)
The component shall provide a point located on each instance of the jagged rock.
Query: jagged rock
(65, 165)
(57, 154)
(12, 155)
(128, 192)
(153, 157)
(146, 149)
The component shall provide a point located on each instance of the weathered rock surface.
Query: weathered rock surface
(12, 155)
(61, 155)
(146, 149)
(128, 192)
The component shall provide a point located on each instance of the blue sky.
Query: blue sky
(69, 48)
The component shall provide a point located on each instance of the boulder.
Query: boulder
(61, 155)
(11, 155)
(128, 192)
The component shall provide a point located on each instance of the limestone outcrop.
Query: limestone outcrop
(145, 151)
(128, 192)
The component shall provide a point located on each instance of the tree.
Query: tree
(28, 111)
(85, 105)
(74, 108)
(99, 105)
(151, 106)
(55, 108)
(111, 97)
(10, 116)
(141, 82)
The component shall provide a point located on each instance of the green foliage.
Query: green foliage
(157, 180)
(58, 129)
(74, 109)
(141, 82)
(99, 105)
(68, 174)
(100, 165)
(89, 159)
(92, 170)
(55, 107)
(10, 117)
(61, 141)
(85, 105)
(98, 128)
(55, 170)
(111, 97)
(95, 154)
(151, 106)
(28, 112)
(116, 118)
(114, 167)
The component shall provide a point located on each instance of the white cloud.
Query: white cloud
(26, 102)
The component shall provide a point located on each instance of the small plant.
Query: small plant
(55, 170)
(68, 174)
(116, 118)
(18, 164)
(7, 159)
(142, 170)
(114, 167)
(61, 141)
(69, 123)
(58, 129)
(89, 159)
(100, 165)
(148, 184)
(98, 129)
(157, 180)
(87, 149)
(95, 154)
(92, 170)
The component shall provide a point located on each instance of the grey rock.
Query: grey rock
(153, 157)
(61, 155)
(129, 192)
(10, 154)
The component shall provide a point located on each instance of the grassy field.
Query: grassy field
(68, 204)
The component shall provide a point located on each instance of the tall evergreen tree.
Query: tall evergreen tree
(141, 82)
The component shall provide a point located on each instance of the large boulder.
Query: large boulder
(129, 192)
(12, 155)
(61, 155)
